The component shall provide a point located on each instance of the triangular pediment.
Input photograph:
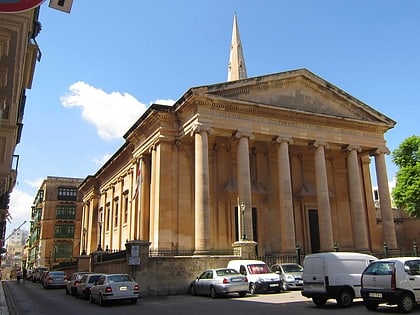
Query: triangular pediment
(297, 90)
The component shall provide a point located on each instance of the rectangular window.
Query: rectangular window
(116, 205)
(125, 208)
(64, 231)
(66, 212)
(67, 193)
(108, 216)
(63, 250)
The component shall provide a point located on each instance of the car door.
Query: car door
(412, 268)
(203, 281)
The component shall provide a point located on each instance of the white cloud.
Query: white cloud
(164, 102)
(35, 183)
(19, 209)
(111, 113)
(102, 159)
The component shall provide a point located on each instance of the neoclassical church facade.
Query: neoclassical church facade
(277, 160)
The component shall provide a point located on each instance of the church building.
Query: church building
(275, 161)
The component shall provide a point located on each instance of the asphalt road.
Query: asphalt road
(32, 299)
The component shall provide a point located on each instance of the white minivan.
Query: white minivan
(260, 277)
(334, 275)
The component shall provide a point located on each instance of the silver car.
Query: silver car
(55, 279)
(291, 275)
(214, 282)
(86, 282)
(113, 287)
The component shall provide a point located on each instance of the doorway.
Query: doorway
(314, 230)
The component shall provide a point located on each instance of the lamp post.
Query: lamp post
(243, 208)
(84, 241)
(99, 249)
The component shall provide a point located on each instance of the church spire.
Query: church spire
(236, 69)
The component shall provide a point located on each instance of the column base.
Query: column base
(246, 249)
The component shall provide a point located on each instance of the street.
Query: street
(32, 298)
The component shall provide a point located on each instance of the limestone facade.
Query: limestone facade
(281, 159)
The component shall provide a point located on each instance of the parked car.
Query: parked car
(214, 282)
(36, 277)
(291, 274)
(260, 277)
(395, 281)
(334, 275)
(55, 279)
(42, 277)
(112, 287)
(74, 281)
(86, 282)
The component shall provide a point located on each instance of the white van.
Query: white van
(334, 275)
(260, 277)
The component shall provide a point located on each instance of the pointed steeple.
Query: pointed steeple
(236, 68)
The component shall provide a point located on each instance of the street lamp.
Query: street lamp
(99, 249)
(243, 208)
(84, 241)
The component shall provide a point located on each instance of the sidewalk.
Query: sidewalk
(4, 310)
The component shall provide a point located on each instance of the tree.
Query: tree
(406, 193)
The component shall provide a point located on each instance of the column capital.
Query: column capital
(380, 151)
(281, 139)
(243, 134)
(350, 147)
(199, 127)
(316, 144)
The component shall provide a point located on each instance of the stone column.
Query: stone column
(385, 199)
(287, 222)
(358, 216)
(244, 185)
(322, 196)
(144, 198)
(202, 190)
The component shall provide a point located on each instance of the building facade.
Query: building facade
(55, 223)
(274, 161)
(18, 55)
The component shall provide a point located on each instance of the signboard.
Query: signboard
(14, 6)
(133, 260)
(61, 5)
(135, 250)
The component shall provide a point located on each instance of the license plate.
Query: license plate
(274, 285)
(375, 295)
(236, 279)
(123, 288)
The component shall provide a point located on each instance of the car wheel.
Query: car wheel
(101, 300)
(213, 293)
(252, 288)
(406, 303)
(192, 291)
(319, 301)
(370, 305)
(242, 293)
(345, 298)
(134, 301)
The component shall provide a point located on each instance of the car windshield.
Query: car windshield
(258, 268)
(226, 272)
(119, 278)
(292, 268)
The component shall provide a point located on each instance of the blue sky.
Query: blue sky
(104, 63)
